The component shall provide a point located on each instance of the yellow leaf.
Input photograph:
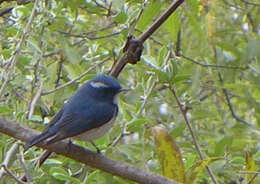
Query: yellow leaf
(169, 155)
(197, 168)
(250, 164)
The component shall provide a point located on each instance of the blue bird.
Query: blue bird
(88, 115)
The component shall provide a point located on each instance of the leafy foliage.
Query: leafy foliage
(209, 51)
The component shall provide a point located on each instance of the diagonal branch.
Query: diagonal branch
(230, 106)
(194, 139)
(133, 47)
(160, 21)
(85, 156)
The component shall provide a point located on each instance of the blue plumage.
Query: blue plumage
(88, 114)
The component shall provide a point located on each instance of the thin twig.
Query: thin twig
(229, 103)
(118, 138)
(194, 139)
(50, 54)
(254, 176)
(59, 73)
(147, 97)
(26, 172)
(9, 157)
(34, 100)
(74, 80)
(18, 48)
(91, 37)
(12, 175)
(214, 66)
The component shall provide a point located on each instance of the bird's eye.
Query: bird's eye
(95, 84)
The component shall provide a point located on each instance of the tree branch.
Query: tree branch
(230, 106)
(194, 139)
(133, 47)
(9, 157)
(160, 21)
(85, 156)
(213, 66)
(12, 175)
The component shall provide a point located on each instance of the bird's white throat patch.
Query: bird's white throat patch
(96, 84)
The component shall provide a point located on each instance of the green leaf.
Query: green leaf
(181, 78)
(173, 24)
(57, 170)
(73, 70)
(92, 176)
(93, 8)
(66, 178)
(4, 109)
(150, 13)
(178, 131)
(198, 168)
(36, 118)
(121, 18)
(192, 15)
(25, 10)
(195, 80)
(135, 124)
(226, 141)
(32, 43)
(11, 31)
(162, 56)
(72, 54)
(238, 160)
(228, 47)
(253, 48)
(50, 161)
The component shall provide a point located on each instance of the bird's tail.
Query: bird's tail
(37, 139)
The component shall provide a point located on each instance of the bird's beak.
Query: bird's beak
(125, 89)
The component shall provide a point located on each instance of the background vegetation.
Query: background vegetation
(208, 52)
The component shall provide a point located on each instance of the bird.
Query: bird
(87, 115)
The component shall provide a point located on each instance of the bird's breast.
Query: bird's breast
(96, 133)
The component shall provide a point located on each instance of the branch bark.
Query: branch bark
(85, 156)
(135, 45)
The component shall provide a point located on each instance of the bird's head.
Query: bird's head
(105, 87)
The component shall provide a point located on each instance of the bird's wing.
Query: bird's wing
(55, 119)
(75, 123)
(46, 133)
